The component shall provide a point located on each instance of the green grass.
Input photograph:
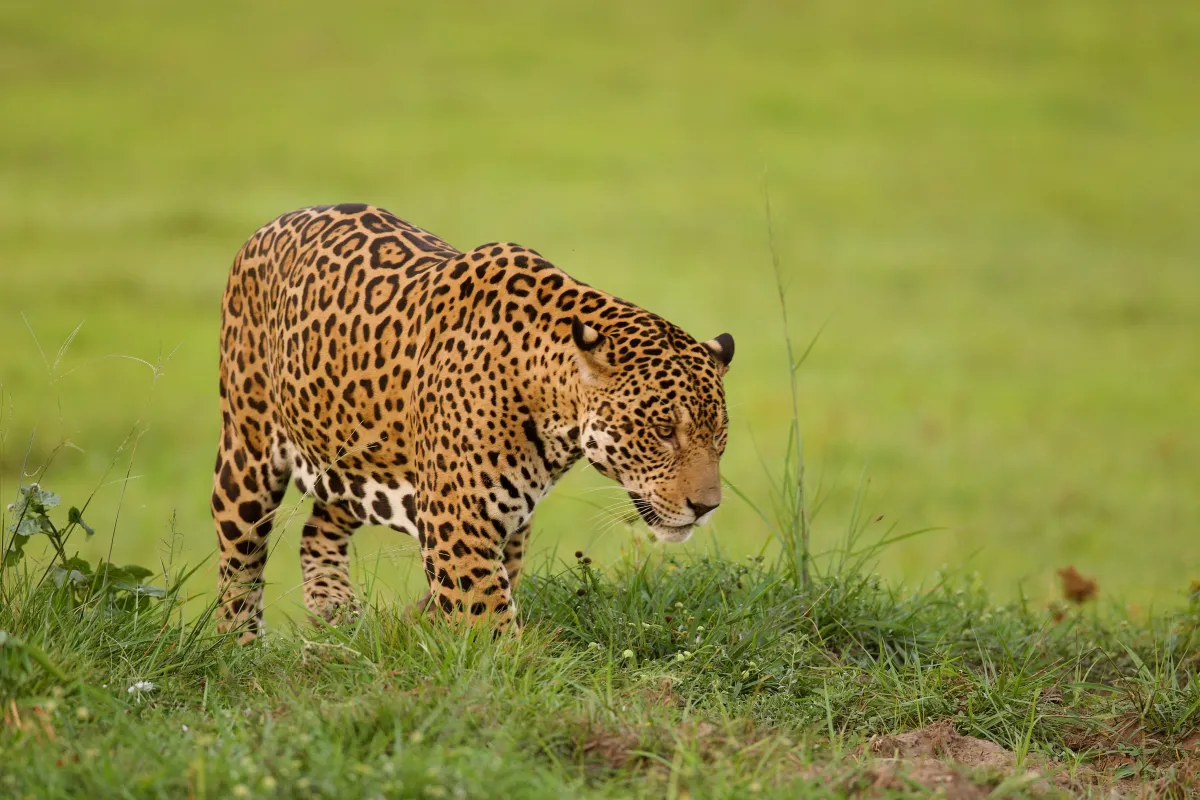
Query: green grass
(700, 677)
(990, 218)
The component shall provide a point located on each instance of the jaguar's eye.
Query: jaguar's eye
(665, 431)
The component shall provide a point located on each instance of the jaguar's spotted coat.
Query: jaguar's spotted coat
(401, 382)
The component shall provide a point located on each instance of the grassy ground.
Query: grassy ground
(990, 218)
(653, 678)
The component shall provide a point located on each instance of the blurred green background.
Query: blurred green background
(990, 214)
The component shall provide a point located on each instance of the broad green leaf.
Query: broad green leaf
(16, 551)
(79, 564)
(19, 507)
(133, 587)
(61, 576)
(27, 527)
(137, 572)
(44, 498)
(75, 516)
(116, 577)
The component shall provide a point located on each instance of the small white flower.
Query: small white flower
(141, 687)
(185, 728)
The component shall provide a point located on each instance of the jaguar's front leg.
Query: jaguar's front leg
(464, 563)
(514, 553)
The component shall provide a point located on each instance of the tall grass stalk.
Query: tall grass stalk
(795, 528)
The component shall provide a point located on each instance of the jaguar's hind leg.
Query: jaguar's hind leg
(324, 558)
(247, 488)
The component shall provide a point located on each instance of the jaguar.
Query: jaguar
(399, 381)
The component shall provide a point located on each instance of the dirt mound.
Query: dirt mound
(935, 760)
(942, 740)
(940, 759)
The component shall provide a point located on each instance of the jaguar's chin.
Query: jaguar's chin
(662, 531)
(671, 533)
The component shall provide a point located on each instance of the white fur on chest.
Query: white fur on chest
(379, 504)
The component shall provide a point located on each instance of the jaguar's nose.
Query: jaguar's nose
(700, 509)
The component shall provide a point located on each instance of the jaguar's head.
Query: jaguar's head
(653, 416)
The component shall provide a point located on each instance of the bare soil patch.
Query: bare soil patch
(935, 760)
(939, 759)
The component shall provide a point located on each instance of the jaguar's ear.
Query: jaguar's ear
(593, 351)
(721, 349)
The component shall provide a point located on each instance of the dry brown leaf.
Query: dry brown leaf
(1076, 587)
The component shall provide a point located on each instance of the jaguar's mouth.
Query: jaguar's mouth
(664, 532)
